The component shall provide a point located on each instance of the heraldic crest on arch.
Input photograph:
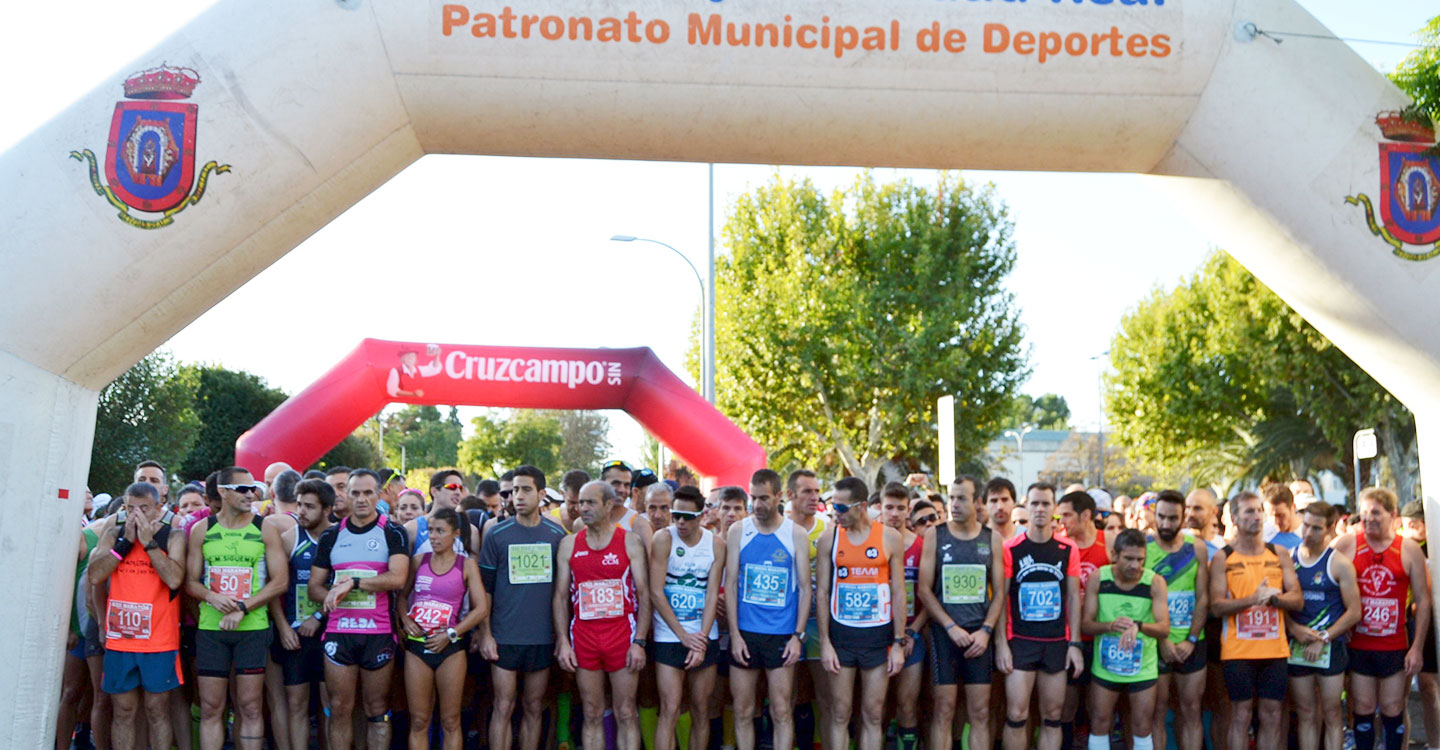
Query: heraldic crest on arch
(377, 373)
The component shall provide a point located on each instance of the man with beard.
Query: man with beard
(1184, 563)
(1000, 506)
(297, 617)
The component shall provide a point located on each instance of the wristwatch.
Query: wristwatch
(1324, 636)
(1193, 639)
(911, 633)
(799, 635)
(900, 641)
(988, 630)
(154, 544)
(641, 642)
(454, 636)
(242, 607)
(1077, 644)
(319, 616)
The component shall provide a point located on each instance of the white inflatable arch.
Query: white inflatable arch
(204, 160)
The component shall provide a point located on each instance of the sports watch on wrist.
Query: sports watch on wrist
(988, 630)
(799, 635)
(1193, 639)
(641, 642)
(454, 636)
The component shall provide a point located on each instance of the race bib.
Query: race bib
(1182, 608)
(531, 563)
(129, 620)
(601, 599)
(231, 580)
(1379, 616)
(1121, 662)
(1040, 601)
(304, 607)
(432, 615)
(1297, 656)
(766, 585)
(858, 602)
(356, 599)
(1257, 624)
(687, 601)
(909, 599)
(962, 584)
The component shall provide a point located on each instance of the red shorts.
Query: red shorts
(601, 645)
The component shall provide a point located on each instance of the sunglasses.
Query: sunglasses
(840, 508)
(256, 488)
(505, 494)
(615, 465)
(927, 520)
(453, 486)
(684, 515)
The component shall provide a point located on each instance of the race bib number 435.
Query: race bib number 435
(766, 585)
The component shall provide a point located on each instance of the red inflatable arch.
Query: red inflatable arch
(377, 373)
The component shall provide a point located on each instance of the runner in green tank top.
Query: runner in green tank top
(1127, 612)
(234, 561)
(1184, 562)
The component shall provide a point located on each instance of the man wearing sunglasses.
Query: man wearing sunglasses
(235, 564)
(895, 513)
(687, 562)
(517, 566)
(447, 486)
(1383, 656)
(961, 580)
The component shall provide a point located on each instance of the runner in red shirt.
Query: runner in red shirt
(601, 581)
(1077, 523)
(1382, 656)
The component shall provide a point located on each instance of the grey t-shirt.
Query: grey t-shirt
(517, 564)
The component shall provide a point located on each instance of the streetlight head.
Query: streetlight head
(622, 238)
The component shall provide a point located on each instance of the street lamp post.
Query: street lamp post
(1100, 423)
(707, 301)
(1020, 446)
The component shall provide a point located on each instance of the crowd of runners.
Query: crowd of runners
(344, 609)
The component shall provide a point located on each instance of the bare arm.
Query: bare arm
(1202, 588)
(319, 585)
(732, 578)
(1221, 605)
(479, 600)
(1160, 610)
(560, 601)
(1073, 601)
(824, 569)
(925, 585)
(1420, 589)
(277, 565)
(1292, 599)
(393, 579)
(1088, 623)
(195, 562)
(895, 554)
(103, 562)
(169, 561)
(994, 617)
(712, 585)
(802, 578)
(640, 571)
(1344, 571)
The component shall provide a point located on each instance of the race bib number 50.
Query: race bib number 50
(230, 580)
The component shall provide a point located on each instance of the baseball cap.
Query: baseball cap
(643, 478)
(1102, 499)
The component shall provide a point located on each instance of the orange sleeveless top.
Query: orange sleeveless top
(1257, 632)
(860, 597)
(143, 615)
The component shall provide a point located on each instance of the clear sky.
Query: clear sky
(436, 252)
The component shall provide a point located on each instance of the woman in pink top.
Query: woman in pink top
(434, 630)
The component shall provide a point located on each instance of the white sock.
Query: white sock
(1145, 743)
(1101, 742)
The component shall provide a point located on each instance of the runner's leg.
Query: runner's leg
(297, 704)
(449, 689)
(623, 683)
(503, 686)
(1143, 726)
(102, 710)
(671, 684)
(977, 710)
(375, 698)
(1018, 686)
(1052, 689)
(782, 686)
(420, 695)
(942, 715)
(842, 696)
(1273, 726)
(742, 687)
(157, 715)
(214, 692)
(1307, 710)
(1393, 691)
(907, 696)
(702, 685)
(125, 707)
(1238, 732)
(249, 711)
(873, 683)
(1331, 690)
(1189, 726)
(1364, 699)
(342, 685)
(592, 697)
(533, 708)
(275, 698)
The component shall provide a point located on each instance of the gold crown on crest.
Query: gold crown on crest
(163, 82)
(1396, 127)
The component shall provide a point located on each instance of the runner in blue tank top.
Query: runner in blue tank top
(298, 619)
(1318, 632)
(767, 584)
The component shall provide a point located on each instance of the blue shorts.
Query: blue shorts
(917, 656)
(79, 651)
(154, 673)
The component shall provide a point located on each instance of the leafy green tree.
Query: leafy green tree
(501, 441)
(585, 441)
(1419, 74)
(1049, 412)
(356, 450)
(228, 402)
(146, 413)
(841, 318)
(1219, 381)
(427, 438)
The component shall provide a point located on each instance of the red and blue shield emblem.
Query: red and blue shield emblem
(1410, 192)
(150, 158)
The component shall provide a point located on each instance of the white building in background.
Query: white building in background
(1005, 458)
